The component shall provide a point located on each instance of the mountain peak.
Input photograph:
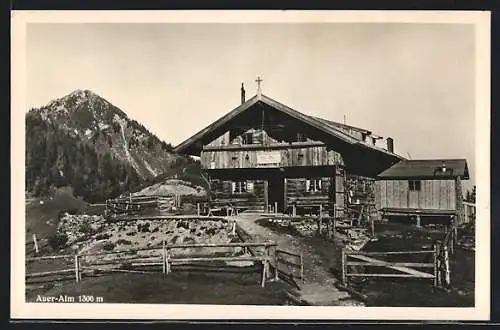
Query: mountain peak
(83, 93)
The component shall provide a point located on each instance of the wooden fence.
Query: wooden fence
(136, 205)
(469, 212)
(289, 264)
(370, 265)
(163, 258)
(438, 260)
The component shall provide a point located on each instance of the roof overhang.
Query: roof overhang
(194, 144)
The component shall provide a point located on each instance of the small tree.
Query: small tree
(58, 241)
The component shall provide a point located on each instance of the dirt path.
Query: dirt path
(318, 287)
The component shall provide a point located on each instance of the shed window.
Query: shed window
(414, 185)
(313, 185)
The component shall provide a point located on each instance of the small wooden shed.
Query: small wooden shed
(430, 187)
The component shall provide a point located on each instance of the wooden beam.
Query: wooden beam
(391, 266)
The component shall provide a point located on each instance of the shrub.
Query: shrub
(102, 236)
(109, 246)
(143, 228)
(123, 242)
(58, 241)
(86, 228)
(211, 231)
(188, 240)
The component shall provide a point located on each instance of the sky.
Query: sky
(412, 82)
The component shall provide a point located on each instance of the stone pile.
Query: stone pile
(356, 238)
(80, 227)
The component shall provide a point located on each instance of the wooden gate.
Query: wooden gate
(289, 264)
(369, 264)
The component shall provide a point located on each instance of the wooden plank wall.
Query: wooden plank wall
(309, 156)
(221, 194)
(296, 191)
(434, 194)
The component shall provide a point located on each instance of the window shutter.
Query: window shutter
(308, 185)
(250, 186)
(233, 187)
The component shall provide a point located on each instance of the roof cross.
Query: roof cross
(258, 81)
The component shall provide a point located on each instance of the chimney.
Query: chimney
(390, 145)
(242, 94)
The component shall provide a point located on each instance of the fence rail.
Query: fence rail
(165, 259)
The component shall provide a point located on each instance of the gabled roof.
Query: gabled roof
(328, 127)
(427, 169)
(340, 125)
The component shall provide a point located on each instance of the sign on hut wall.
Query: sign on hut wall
(266, 158)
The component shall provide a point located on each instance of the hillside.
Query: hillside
(83, 141)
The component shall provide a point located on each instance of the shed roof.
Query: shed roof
(427, 169)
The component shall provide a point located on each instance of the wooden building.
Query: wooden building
(422, 187)
(264, 154)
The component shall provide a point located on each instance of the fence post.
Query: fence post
(198, 208)
(334, 220)
(77, 271)
(372, 224)
(435, 265)
(302, 267)
(164, 258)
(167, 260)
(343, 267)
(320, 219)
(276, 271)
(263, 282)
(447, 266)
(275, 207)
(439, 264)
(35, 243)
(294, 210)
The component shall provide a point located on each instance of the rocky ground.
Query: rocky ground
(93, 234)
(351, 238)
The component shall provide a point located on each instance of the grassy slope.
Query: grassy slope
(239, 287)
(42, 218)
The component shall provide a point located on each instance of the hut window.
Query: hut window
(239, 187)
(313, 185)
(414, 185)
(247, 138)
